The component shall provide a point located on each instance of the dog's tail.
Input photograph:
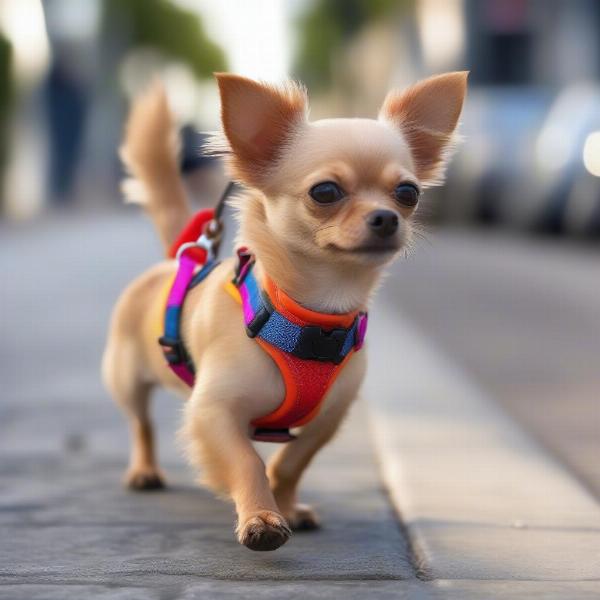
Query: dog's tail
(150, 152)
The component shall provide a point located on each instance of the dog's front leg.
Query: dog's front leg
(219, 444)
(288, 464)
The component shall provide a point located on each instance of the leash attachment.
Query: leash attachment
(213, 230)
(200, 238)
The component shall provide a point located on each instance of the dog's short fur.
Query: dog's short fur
(322, 256)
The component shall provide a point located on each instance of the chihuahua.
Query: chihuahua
(327, 205)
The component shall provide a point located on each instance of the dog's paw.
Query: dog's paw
(264, 531)
(302, 517)
(142, 480)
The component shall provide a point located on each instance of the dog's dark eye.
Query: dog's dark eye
(407, 194)
(327, 192)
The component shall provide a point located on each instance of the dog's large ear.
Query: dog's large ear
(258, 121)
(427, 114)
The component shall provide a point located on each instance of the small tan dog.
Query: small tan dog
(328, 205)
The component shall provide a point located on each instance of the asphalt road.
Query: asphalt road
(522, 317)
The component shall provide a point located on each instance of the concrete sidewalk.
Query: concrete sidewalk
(483, 505)
(67, 526)
(485, 513)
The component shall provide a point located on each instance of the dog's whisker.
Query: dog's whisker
(323, 228)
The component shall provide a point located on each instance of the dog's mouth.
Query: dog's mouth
(368, 249)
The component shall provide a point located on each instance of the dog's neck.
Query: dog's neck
(320, 287)
(317, 285)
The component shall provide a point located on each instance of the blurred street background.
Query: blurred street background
(532, 162)
(507, 279)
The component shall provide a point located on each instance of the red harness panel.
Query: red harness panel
(309, 348)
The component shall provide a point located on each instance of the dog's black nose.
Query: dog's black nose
(384, 223)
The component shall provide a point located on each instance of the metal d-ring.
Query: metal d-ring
(185, 247)
(214, 229)
(201, 242)
(207, 240)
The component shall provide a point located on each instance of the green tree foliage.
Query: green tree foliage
(175, 32)
(329, 25)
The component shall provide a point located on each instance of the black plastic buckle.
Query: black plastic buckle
(317, 344)
(261, 317)
(173, 350)
(278, 436)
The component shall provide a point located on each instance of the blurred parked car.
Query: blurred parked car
(500, 127)
(531, 161)
(562, 194)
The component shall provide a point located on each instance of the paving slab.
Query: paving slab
(480, 500)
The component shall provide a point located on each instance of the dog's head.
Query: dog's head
(339, 190)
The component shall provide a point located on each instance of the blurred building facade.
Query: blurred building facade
(69, 70)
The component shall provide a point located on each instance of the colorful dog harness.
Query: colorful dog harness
(309, 348)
